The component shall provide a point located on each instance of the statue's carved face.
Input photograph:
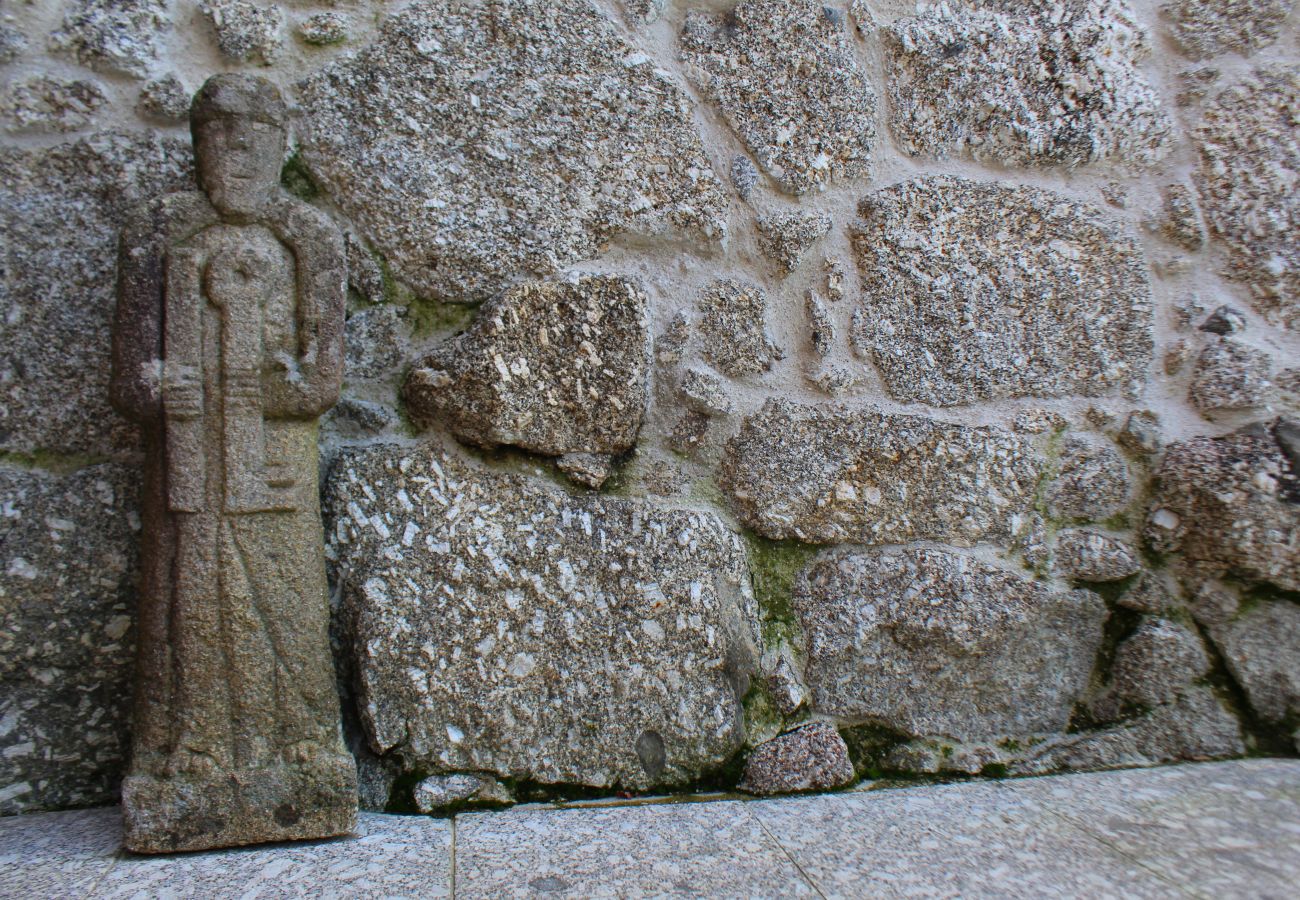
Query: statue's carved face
(238, 161)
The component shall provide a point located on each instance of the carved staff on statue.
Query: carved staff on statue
(227, 347)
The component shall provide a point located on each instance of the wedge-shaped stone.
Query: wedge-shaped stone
(932, 643)
(478, 143)
(500, 625)
(831, 473)
(978, 291)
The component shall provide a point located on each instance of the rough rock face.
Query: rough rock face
(733, 328)
(932, 643)
(948, 320)
(246, 31)
(502, 626)
(1092, 556)
(1205, 28)
(113, 35)
(811, 758)
(1025, 83)
(1092, 481)
(830, 473)
(477, 143)
(553, 367)
(45, 103)
(785, 237)
(440, 792)
(1249, 153)
(1154, 665)
(60, 210)
(1230, 505)
(1261, 646)
(1230, 375)
(784, 75)
(67, 647)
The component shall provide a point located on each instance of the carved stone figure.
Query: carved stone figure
(227, 347)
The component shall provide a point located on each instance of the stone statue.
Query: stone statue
(227, 347)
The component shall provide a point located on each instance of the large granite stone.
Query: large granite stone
(1205, 28)
(785, 78)
(1025, 83)
(1261, 647)
(499, 625)
(552, 367)
(67, 641)
(933, 643)
(980, 291)
(831, 473)
(114, 35)
(1230, 505)
(60, 211)
(1249, 153)
(478, 143)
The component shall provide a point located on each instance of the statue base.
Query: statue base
(289, 802)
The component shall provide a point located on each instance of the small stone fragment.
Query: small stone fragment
(1091, 556)
(1230, 375)
(1093, 481)
(811, 758)
(690, 432)
(1029, 84)
(704, 392)
(552, 367)
(352, 418)
(365, 274)
(1196, 84)
(46, 103)
(743, 176)
(836, 279)
(323, 29)
(996, 654)
(784, 682)
(830, 474)
(439, 793)
(810, 122)
(376, 342)
(947, 321)
(1261, 647)
(821, 331)
(833, 380)
(1229, 506)
(1149, 594)
(112, 35)
(733, 328)
(1141, 433)
(1249, 151)
(245, 32)
(587, 469)
(1224, 321)
(646, 11)
(786, 237)
(671, 345)
(1177, 356)
(1180, 221)
(1038, 421)
(12, 43)
(165, 99)
(1159, 661)
(1205, 28)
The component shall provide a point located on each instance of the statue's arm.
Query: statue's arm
(321, 269)
(135, 388)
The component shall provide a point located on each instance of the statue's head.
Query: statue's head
(238, 124)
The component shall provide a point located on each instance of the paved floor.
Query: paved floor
(1213, 830)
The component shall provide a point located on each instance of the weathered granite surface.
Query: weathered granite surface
(1261, 647)
(46, 103)
(785, 77)
(68, 563)
(112, 35)
(1087, 555)
(832, 473)
(786, 237)
(733, 331)
(525, 137)
(947, 320)
(810, 758)
(929, 642)
(1205, 28)
(499, 625)
(1092, 480)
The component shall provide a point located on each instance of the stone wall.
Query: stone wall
(768, 394)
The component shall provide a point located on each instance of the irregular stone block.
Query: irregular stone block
(786, 237)
(499, 625)
(811, 758)
(1261, 646)
(552, 367)
(733, 328)
(1230, 505)
(376, 342)
(1154, 665)
(1230, 375)
(1030, 84)
(245, 31)
(46, 103)
(948, 321)
(1092, 480)
(60, 211)
(1224, 321)
(164, 98)
(112, 35)
(68, 564)
(589, 141)
(440, 792)
(1180, 221)
(1205, 28)
(1249, 147)
(1090, 556)
(785, 77)
(323, 29)
(830, 473)
(932, 643)
(703, 392)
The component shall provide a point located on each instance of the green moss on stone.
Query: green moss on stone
(773, 566)
(296, 179)
(50, 461)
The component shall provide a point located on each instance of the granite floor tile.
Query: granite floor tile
(389, 857)
(57, 855)
(961, 840)
(714, 850)
(1218, 829)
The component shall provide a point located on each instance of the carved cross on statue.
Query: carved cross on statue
(227, 347)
